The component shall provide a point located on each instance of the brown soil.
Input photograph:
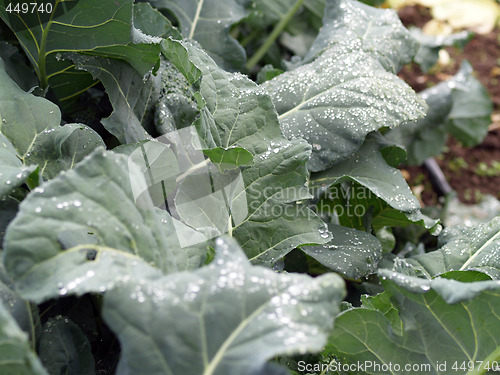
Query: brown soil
(458, 163)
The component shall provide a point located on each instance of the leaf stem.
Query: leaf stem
(42, 54)
(32, 325)
(272, 37)
(193, 169)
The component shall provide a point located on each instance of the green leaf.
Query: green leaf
(346, 91)
(64, 349)
(233, 156)
(461, 315)
(238, 113)
(31, 135)
(379, 31)
(430, 45)
(92, 26)
(463, 248)
(208, 22)
(24, 116)
(226, 318)
(132, 96)
(368, 168)
(13, 172)
(16, 356)
(61, 148)
(470, 114)
(427, 137)
(16, 67)
(150, 21)
(84, 230)
(350, 252)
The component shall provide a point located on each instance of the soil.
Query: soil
(460, 165)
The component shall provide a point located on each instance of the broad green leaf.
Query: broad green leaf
(226, 318)
(368, 168)
(64, 349)
(133, 97)
(238, 113)
(463, 248)
(103, 28)
(459, 106)
(208, 22)
(380, 33)
(430, 45)
(84, 230)
(350, 252)
(452, 323)
(347, 91)
(16, 355)
(30, 134)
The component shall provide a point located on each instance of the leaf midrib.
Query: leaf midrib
(195, 19)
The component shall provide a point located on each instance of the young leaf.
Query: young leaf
(453, 323)
(16, 356)
(350, 89)
(208, 22)
(84, 230)
(427, 137)
(59, 149)
(238, 113)
(269, 314)
(65, 349)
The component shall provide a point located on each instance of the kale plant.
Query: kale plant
(223, 215)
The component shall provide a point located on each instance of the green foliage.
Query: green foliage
(459, 106)
(167, 236)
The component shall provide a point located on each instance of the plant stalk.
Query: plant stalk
(280, 26)
(42, 54)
